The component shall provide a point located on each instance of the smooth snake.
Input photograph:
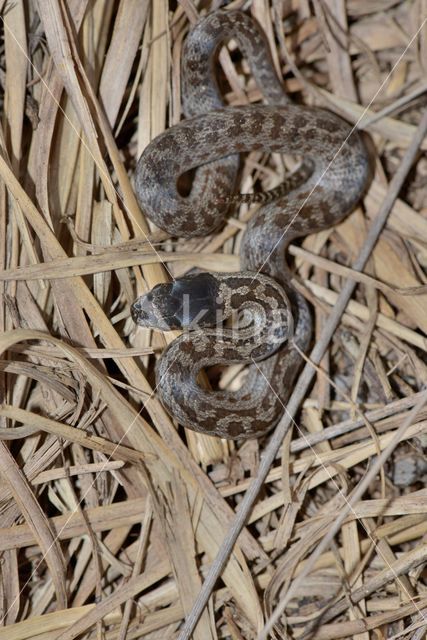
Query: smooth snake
(276, 320)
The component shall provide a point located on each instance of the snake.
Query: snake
(256, 316)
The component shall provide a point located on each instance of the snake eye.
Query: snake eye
(136, 312)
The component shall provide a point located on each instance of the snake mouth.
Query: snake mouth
(138, 315)
(145, 313)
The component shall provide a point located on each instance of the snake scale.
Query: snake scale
(276, 321)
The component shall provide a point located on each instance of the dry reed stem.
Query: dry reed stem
(111, 517)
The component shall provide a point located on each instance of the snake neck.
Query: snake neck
(263, 250)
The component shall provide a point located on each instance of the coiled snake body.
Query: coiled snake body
(331, 180)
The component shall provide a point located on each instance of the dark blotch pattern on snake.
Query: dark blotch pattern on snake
(332, 177)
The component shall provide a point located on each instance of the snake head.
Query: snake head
(188, 302)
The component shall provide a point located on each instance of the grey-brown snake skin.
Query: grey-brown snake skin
(334, 171)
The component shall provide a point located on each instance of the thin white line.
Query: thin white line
(226, 547)
(76, 509)
(154, 250)
(100, 169)
(84, 144)
(339, 491)
(352, 130)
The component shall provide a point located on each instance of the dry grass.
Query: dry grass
(110, 517)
